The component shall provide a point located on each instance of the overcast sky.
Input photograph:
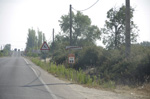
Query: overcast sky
(17, 16)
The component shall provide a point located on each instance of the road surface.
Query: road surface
(19, 80)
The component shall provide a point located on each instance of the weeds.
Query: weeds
(73, 75)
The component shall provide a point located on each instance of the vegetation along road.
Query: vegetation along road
(21, 79)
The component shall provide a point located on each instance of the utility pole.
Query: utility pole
(52, 49)
(70, 25)
(53, 35)
(127, 31)
(70, 29)
(53, 41)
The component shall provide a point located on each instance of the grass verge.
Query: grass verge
(73, 75)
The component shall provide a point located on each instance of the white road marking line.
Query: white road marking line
(26, 61)
(47, 88)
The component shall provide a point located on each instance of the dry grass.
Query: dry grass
(145, 89)
(142, 92)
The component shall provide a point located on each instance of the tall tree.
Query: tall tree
(114, 28)
(81, 27)
(31, 40)
(39, 38)
(44, 38)
(7, 47)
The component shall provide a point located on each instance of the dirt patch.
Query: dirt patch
(122, 93)
(141, 92)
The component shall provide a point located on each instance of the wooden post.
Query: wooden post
(127, 39)
(70, 25)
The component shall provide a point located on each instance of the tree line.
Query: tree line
(6, 51)
(34, 42)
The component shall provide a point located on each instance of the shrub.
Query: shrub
(117, 68)
(88, 56)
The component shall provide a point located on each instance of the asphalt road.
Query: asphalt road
(18, 80)
(21, 79)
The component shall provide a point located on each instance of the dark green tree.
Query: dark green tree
(114, 28)
(44, 38)
(31, 40)
(57, 49)
(81, 28)
(7, 49)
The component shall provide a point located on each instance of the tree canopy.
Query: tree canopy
(31, 40)
(34, 42)
(81, 28)
(40, 38)
(6, 51)
(114, 28)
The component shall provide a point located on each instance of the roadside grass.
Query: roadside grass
(73, 75)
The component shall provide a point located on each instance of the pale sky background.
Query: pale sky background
(17, 16)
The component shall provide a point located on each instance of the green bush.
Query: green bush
(89, 80)
(116, 67)
(1, 53)
(88, 56)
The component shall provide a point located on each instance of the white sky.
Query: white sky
(17, 16)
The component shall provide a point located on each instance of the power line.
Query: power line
(86, 8)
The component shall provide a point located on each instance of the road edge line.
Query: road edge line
(26, 61)
(47, 88)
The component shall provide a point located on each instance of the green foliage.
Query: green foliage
(88, 56)
(40, 39)
(110, 84)
(60, 54)
(89, 80)
(84, 34)
(82, 28)
(117, 68)
(6, 51)
(31, 39)
(114, 29)
(7, 47)
(58, 51)
(1, 53)
(110, 64)
(44, 38)
(34, 43)
(70, 74)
